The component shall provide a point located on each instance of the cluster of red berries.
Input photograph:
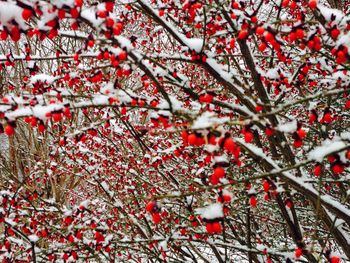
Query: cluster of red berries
(153, 208)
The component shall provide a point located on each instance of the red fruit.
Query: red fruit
(258, 108)
(41, 127)
(99, 237)
(79, 3)
(210, 228)
(229, 145)
(27, 14)
(347, 105)
(3, 35)
(226, 198)
(338, 168)
(269, 37)
(232, 43)
(248, 136)
(15, 34)
(301, 133)
(192, 139)
(9, 130)
(214, 179)
(33, 121)
(260, 30)
(262, 47)
(57, 117)
(253, 201)
(334, 259)
(219, 172)
(206, 98)
(184, 136)
(297, 143)
(217, 228)
(285, 3)
(335, 33)
(150, 206)
(317, 170)
(156, 218)
(123, 110)
(298, 252)
(74, 13)
(289, 204)
(62, 142)
(300, 34)
(269, 132)
(122, 55)
(348, 154)
(313, 4)
(327, 118)
(312, 118)
(71, 238)
(61, 14)
(266, 186)
(161, 12)
(109, 6)
(242, 34)
(293, 5)
(109, 22)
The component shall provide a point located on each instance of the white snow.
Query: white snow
(328, 147)
(208, 119)
(212, 211)
(288, 127)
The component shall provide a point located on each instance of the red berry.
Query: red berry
(184, 136)
(301, 133)
(74, 13)
(232, 43)
(227, 198)
(266, 186)
(150, 206)
(57, 117)
(313, 4)
(109, 6)
(217, 228)
(298, 252)
(192, 139)
(41, 127)
(260, 30)
(79, 3)
(248, 136)
(335, 33)
(312, 118)
(242, 34)
(338, 168)
(219, 172)
(327, 118)
(229, 145)
(253, 201)
(156, 218)
(206, 98)
(209, 227)
(122, 55)
(317, 170)
(297, 143)
(347, 105)
(27, 14)
(269, 132)
(334, 259)
(269, 37)
(61, 14)
(9, 130)
(262, 47)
